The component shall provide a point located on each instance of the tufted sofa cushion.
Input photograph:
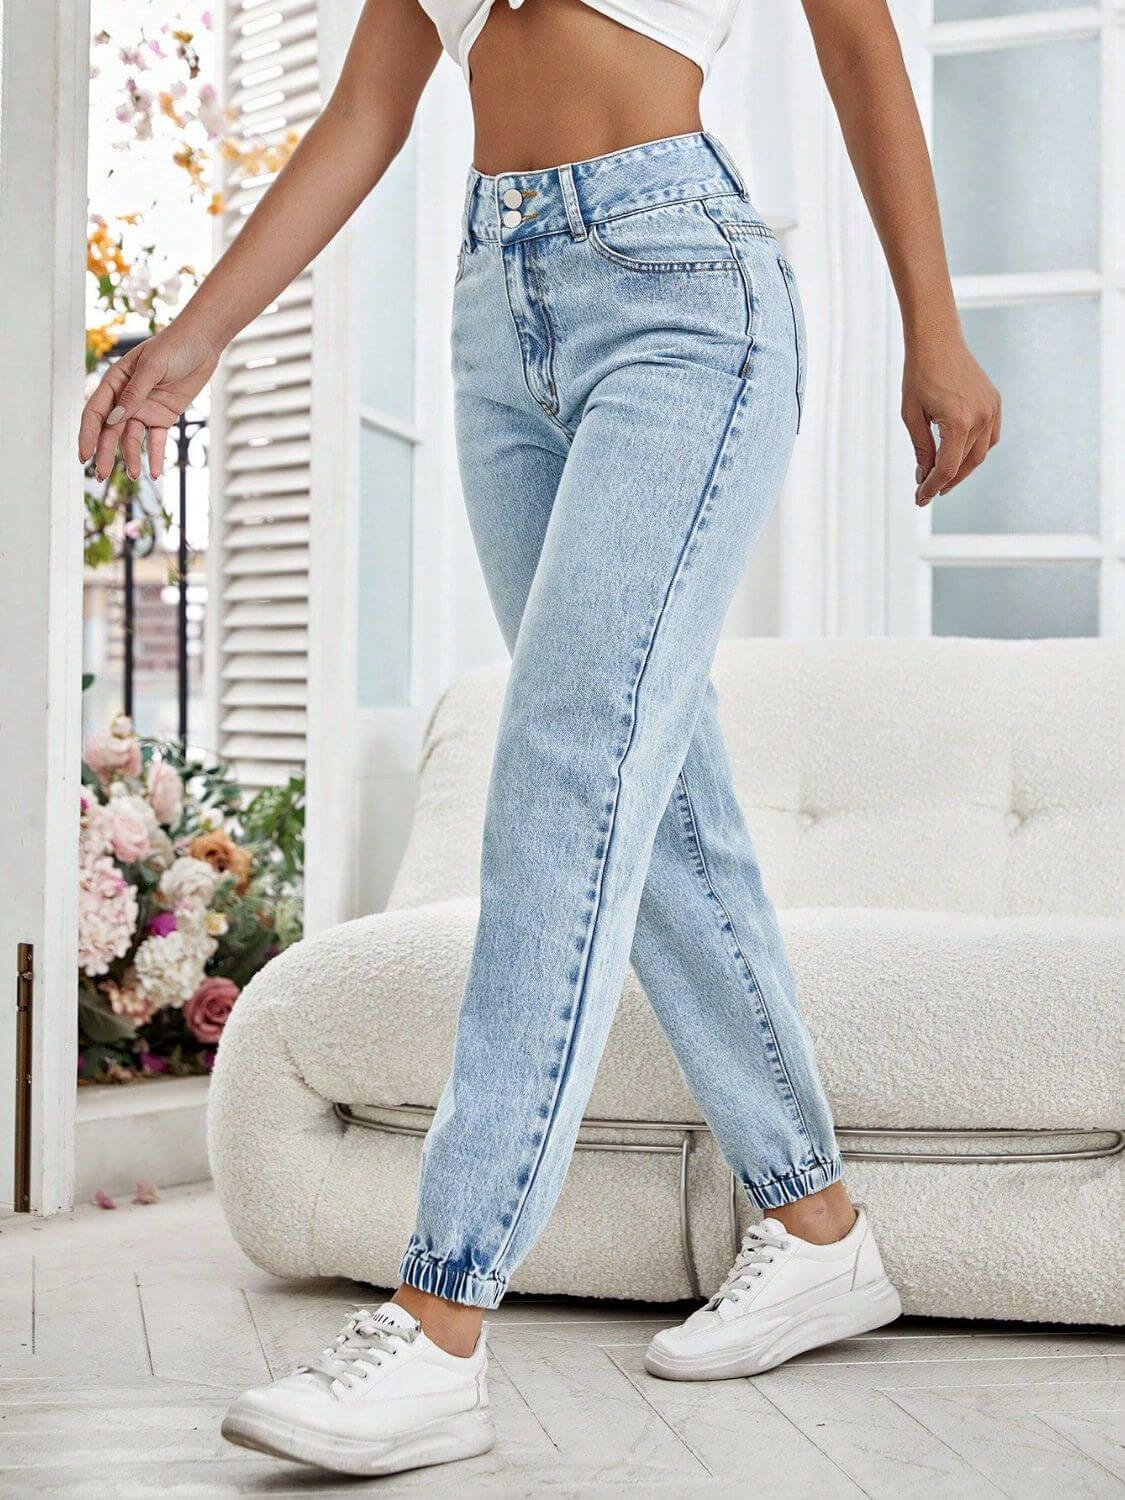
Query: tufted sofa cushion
(929, 775)
(921, 1019)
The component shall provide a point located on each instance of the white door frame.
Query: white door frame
(43, 122)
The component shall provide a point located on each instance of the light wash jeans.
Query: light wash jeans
(628, 352)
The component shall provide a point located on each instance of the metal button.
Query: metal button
(512, 220)
(513, 198)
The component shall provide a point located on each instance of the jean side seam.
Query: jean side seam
(750, 974)
(579, 1004)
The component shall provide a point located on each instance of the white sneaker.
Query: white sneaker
(783, 1296)
(381, 1399)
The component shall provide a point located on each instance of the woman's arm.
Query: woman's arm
(341, 158)
(942, 383)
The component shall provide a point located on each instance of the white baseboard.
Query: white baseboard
(154, 1131)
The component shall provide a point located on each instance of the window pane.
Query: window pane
(386, 251)
(383, 559)
(1016, 603)
(975, 10)
(1017, 157)
(1043, 476)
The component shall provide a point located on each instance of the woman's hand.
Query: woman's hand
(144, 393)
(944, 387)
(341, 158)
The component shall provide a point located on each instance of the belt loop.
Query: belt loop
(467, 212)
(724, 157)
(570, 199)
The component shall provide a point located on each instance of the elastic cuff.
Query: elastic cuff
(443, 1279)
(781, 1190)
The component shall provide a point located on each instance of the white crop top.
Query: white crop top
(696, 28)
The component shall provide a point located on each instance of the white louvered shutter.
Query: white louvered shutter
(263, 398)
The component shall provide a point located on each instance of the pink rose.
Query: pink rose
(127, 829)
(117, 753)
(162, 924)
(165, 793)
(208, 1010)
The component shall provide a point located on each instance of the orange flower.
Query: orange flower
(99, 341)
(193, 162)
(168, 107)
(220, 851)
(103, 253)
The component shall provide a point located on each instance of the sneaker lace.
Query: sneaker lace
(760, 1244)
(360, 1348)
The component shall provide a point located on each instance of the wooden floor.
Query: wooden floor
(123, 1335)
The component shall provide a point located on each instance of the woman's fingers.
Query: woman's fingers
(131, 439)
(99, 406)
(157, 442)
(114, 407)
(143, 375)
(922, 438)
(106, 451)
(975, 455)
(954, 435)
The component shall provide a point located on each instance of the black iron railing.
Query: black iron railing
(183, 435)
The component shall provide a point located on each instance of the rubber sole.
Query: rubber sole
(843, 1317)
(465, 1435)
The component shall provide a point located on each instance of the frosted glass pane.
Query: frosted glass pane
(976, 10)
(1016, 153)
(1016, 603)
(1043, 475)
(385, 230)
(383, 561)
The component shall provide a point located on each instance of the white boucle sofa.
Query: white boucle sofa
(942, 826)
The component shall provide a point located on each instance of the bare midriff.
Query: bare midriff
(556, 81)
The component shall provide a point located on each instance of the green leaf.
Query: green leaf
(97, 1022)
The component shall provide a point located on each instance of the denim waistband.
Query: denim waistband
(564, 200)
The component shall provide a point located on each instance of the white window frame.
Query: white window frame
(916, 548)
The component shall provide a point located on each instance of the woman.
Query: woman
(629, 365)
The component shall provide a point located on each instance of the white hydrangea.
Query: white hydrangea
(187, 885)
(170, 969)
(107, 914)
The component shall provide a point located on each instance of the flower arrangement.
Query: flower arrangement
(183, 896)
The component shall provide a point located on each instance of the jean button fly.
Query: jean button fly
(513, 198)
(512, 219)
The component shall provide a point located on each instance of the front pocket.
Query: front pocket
(789, 276)
(670, 238)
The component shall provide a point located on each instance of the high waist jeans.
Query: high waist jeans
(628, 352)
